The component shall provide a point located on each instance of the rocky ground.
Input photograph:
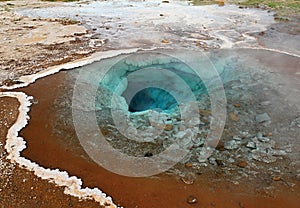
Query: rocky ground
(29, 45)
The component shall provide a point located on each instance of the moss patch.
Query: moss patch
(282, 7)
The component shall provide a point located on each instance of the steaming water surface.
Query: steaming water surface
(257, 80)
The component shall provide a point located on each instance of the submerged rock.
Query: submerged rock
(242, 164)
(189, 178)
(251, 145)
(263, 156)
(191, 200)
(212, 161)
(264, 117)
(233, 116)
(232, 144)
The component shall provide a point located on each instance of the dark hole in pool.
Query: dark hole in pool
(151, 98)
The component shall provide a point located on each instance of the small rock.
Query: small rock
(265, 103)
(221, 3)
(188, 165)
(233, 116)
(204, 112)
(197, 142)
(168, 127)
(259, 135)
(189, 178)
(165, 41)
(165, 1)
(161, 15)
(251, 145)
(263, 156)
(278, 152)
(191, 199)
(264, 117)
(231, 160)
(232, 144)
(237, 105)
(276, 178)
(242, 164)
(202, 159)
(212, 161)
(263, 139)
(198, 44)
(237, 138)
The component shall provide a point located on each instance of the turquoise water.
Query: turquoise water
(161, 82)
(152, 98)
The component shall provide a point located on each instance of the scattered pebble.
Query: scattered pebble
(259, 135)
(264, 117)
(188, 165)
(221, 3)
(276, 178)
(232, 144)
(237, 105)
(212, 161)
(191, 199)
(233, 116)
(263, 139)
(242, 164)
(168, 127)
(189, 178)
(237, 138)
(204, 112)
(251, 145)
(165, 41)
(263, 156)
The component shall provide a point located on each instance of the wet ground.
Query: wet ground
(256, 163)
(132, 23)
(20, 187)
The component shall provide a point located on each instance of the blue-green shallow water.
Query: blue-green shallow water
(256, 80)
